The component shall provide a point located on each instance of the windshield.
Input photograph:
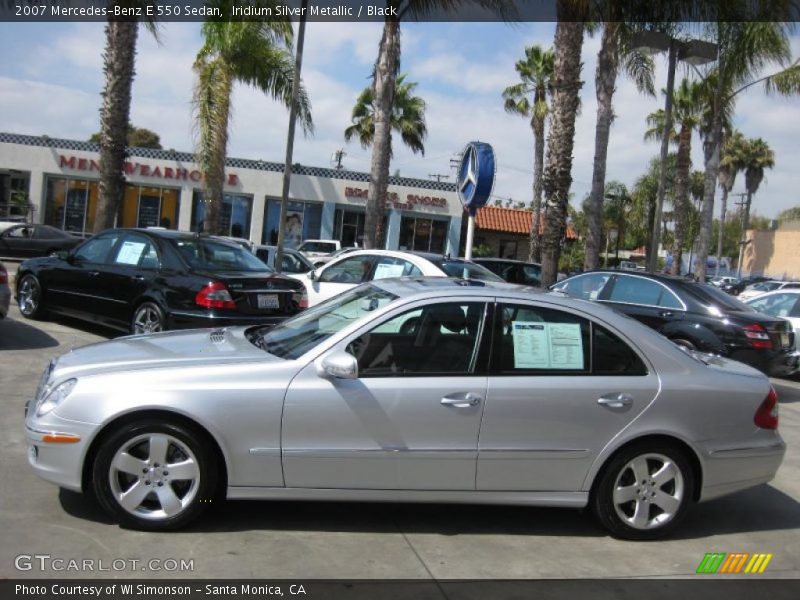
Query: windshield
(317, 246)
(709, 294)
(766, 286)
(465, 270)
(209, 255)
(294, 337)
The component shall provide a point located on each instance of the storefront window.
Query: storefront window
(423, 235)
(303, 222)
(150, 207)
(348, 226)
(70, 204)
(234, 214)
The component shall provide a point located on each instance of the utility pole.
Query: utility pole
(439, 176)
(743, 238)
(337, 158)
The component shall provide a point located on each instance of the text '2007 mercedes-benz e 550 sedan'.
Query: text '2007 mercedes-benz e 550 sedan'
(411, 389)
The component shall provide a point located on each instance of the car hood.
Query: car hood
(195, 347)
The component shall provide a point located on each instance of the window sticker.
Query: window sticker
(130, 253)
(384, 271)
(547, 345)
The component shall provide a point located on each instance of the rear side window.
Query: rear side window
(612, 356)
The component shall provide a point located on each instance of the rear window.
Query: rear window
(317, 247)
(465, 270)
(209, 255)
(708, 294)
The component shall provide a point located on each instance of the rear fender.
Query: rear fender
(702, 337)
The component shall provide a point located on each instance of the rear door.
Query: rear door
(560, 388)
(646, 300)
(17, 242)
(131, 271)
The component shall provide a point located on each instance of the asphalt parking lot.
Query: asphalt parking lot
(327, 540)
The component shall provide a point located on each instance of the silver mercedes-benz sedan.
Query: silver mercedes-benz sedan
(421, 390)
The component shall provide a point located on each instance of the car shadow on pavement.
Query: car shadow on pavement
(83, 506)
(16, 335)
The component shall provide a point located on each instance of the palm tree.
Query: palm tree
(384, 77)
(566, 100)
(535, 72)
(757, 156)
(746, 48)
(408, 117)
(255, 53)
(687, 107)
(118, 66)
(730, 165)
(614, 47)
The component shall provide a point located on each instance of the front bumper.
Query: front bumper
(57, 448)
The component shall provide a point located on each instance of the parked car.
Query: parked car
(513, 271)
(322, 260)
(570, 403)
(144, 280)
(313, 248)
(722, 280)
(783, 304)
(5, 292)
(736, 288)
(694, 315)
(763, 287)
(368, 265)
(294, 264)
(25, 240)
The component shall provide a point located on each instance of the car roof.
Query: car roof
(773, 293)
(662, 277)
(511, 261)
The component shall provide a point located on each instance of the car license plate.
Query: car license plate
(785, 340)
(267, 301)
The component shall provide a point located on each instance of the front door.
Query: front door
(560, 388)
(411, 418)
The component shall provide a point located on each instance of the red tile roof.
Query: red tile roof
(512, 220)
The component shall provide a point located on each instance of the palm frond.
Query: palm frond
(640, 68)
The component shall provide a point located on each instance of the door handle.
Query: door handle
(462, 400)
(94, 273)
(667, 314)
(615, 400)
(137, 277)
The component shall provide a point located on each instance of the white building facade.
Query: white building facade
(59, 179)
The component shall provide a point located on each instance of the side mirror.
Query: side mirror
(339, 364)
(312, 275)
(60, 254)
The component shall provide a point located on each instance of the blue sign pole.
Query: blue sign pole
(476, 174)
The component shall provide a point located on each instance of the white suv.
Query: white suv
(319, 247)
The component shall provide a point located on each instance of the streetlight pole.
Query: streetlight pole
(287, 167)
(652, 265)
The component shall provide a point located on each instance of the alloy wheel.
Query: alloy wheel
(29, 295)
(154, 476)
(147, 319)
(649, 491)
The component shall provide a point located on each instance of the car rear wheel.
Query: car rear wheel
(148, 318)
(684, 343)
(155, 475)
(644, 492)
(29, 297)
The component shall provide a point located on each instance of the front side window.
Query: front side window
(436, 339)
(388, 266)
(356, 269)
(532, 275)
(777, 305)
(96, 249)
(536, 340)
(295, 263)
(18, 233)
(586, 287)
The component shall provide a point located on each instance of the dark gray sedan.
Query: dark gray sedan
(418, 390)
(25, 241)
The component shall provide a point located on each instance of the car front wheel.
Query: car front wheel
(644, 491)
(29, 297)
(154, 475)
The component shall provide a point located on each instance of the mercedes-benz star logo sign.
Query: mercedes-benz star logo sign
(468, 175)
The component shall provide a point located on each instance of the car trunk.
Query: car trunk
(259, 293)
(780, 331)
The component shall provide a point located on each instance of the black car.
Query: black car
(734, 288)
(146, 280)
(25, 240)
(694, 315)
(513, 271)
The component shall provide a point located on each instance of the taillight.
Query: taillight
(300, 298)
(3, 274)
(215, 295)
(758, 336)
(766, 416)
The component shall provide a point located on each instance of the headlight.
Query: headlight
(40, 390)
(54, 398)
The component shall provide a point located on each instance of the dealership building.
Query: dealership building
(58, 180)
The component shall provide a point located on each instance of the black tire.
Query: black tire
(148, 318)
(183, 445)
(620, 518)
(30, 297)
